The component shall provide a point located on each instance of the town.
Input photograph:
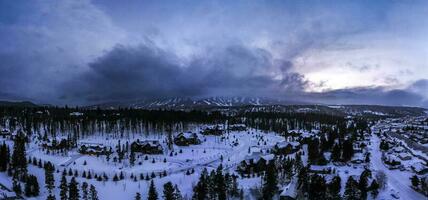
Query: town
(64, 153)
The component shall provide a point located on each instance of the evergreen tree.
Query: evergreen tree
(168, 191)
(31, 186)
(85, 192)
(335, 153)
(363, 183)
(73, 190)
(49, 177)
(270, 185)
(317, 187)
(415, 181)
(348, 150)
(201, 189)
(137, 196)
(334, 188)
(63, 188)
(5, 157)
(374, 188)
(132, 158)
(351, 190)
(153, 194)
(50, 197)
(220, 183)
(177, 193)
(19, 160)
(93, 193)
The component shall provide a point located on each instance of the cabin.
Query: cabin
(285, 147)
(92, 149)
(76, 114)
(186, 139)
(237, 127)
(404, 156)
(5, 133)
(147, 147)
(56, 144)
(419, 168)
(320, 169)
(8, 194)
(254, 163)
(289, 192)
(213, 130)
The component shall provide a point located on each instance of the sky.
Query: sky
(81, 52)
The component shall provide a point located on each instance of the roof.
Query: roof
(188, 135)
(284, 144)
(290, 189)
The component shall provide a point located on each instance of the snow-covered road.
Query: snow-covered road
(397, 180)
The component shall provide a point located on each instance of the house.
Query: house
(56, 143)
(5, 132)
(254, 163)
(419, 168)
(404, 156)
(92, 149)
(285, 147)
(186, 139)
(319, 169)
(213, 130)
(237, 127)
(147, 147)
(289, 192)
(8, 194)
(398, 149)
(76, 114)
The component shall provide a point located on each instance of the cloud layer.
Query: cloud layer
(85, 52)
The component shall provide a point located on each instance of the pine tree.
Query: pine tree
(177, 193)
(50, 197)
(93, 193)
(335, 154)
(351, 190)
(201, 189)
(168, 191)
(63, 188)
(348, 150)
(31, 186)
(317, 187)
(85, 192)
(374, 188)
(363, 183)
(137, 196)
(415, 181)
(270, 186)
(5, 157)
(49, 177)
(132, 158)
(73, 190)
(153, 194)
(334, 188)
(220, 183)
(19, 160)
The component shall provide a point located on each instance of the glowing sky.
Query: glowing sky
(82, 51)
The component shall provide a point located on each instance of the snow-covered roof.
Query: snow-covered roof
(284, 144)
(76, 114)
(418, 167)
(290, 189)
(188, 135)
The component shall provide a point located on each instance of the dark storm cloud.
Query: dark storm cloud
(370, 95)
(147, 71)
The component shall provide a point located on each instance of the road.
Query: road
(397, 180)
